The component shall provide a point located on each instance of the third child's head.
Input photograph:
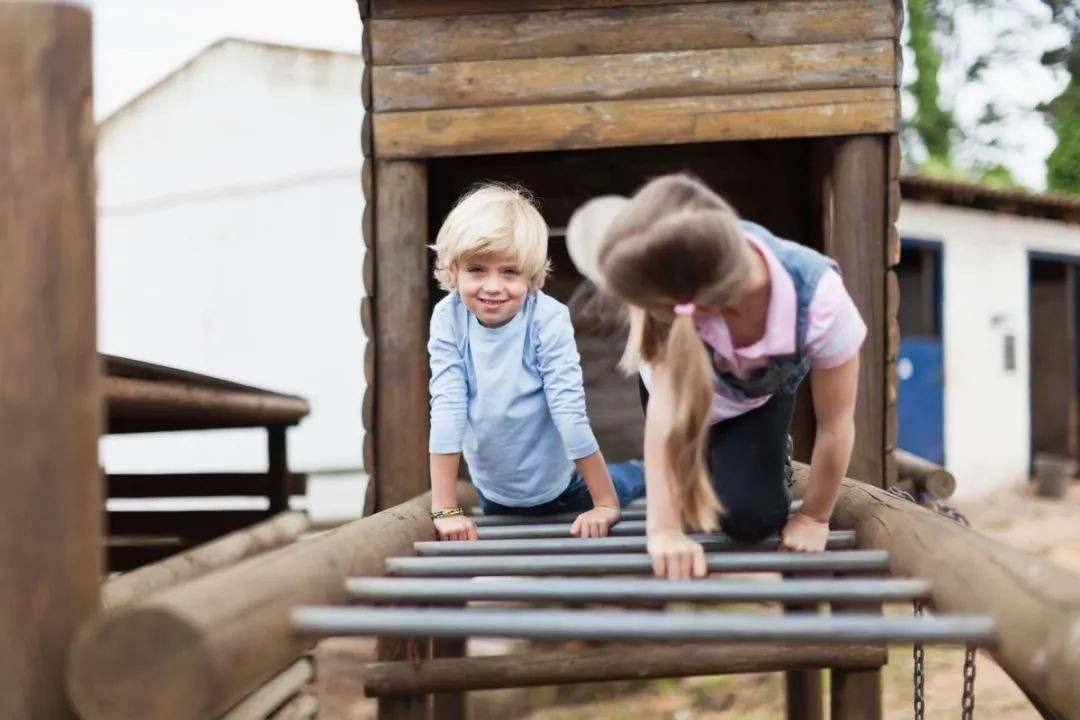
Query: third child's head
(492, 249)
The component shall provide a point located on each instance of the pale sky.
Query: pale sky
(137, 42)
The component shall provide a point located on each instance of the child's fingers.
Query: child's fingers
(701, 567)
(575, 528)
(658, 565)
(470, 532)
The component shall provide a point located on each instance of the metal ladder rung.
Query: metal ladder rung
(838, 540)
(509, 589)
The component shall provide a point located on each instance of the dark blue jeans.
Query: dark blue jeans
(628, 478)
(748, 464)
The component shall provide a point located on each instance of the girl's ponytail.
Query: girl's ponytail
(691, 380)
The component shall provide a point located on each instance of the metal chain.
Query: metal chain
(919, 677)
(967, 701)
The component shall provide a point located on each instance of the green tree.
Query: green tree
(932, 123)
(1063, 164)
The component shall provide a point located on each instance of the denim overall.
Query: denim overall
(783, 373)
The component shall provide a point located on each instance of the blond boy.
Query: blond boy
(506, 387)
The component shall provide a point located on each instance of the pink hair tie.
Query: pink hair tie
(685, 309)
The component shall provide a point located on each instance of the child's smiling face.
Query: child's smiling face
(492, 287)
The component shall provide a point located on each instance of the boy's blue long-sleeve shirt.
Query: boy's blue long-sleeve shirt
(510, 399)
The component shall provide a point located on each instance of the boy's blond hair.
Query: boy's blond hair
(493, 218)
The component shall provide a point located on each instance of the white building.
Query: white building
(989, 276)
(229, 243)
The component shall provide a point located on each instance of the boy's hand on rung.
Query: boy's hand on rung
(675, 556)
(455, 527)
(595, 522)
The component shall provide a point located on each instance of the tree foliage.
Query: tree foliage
(1063, 164)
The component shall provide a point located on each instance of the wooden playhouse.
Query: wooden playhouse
(788, 108)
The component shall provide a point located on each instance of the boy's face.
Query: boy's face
(492, 287)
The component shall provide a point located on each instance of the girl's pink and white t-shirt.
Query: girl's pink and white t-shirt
(834, 333)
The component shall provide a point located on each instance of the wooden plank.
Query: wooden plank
(197, 485)
(428, 8)
(855, 236)
(215, 639)
(684, 73)
(401, 320)
(50, 412)
(480, 131)
(632, 29)
(187, 524)
(277, 531)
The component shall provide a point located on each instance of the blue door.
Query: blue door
(921, 405)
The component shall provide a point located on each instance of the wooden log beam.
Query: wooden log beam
(192, 651)
(229, 550)
(279, 690)
(50, 416)
(683, 73)
(136, 405)
(1036, 604)
(604, 31)
(621, 123)
(926, 476)
(616, 661)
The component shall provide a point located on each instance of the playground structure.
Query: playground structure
(230, 641)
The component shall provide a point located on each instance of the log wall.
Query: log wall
(557, 95)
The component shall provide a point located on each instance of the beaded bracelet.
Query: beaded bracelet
(448, 512)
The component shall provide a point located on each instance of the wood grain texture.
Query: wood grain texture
(50, 406)
(429, 8)
(854, 202)
(609, 662)
(570, 126)
(401, 323)
(276, 532)
(630, 29)
(684, 73)
(1035, 603)
(194, 650)
(279, 690)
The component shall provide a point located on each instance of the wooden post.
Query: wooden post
(855, 693)
(278, 484)
(401, 320)
(854, 212)
(50, 407)
(1035, 603)
(449, 705)
(403, 707)
(803, 688)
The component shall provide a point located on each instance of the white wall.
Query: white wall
(985, 268)
(229, 243)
